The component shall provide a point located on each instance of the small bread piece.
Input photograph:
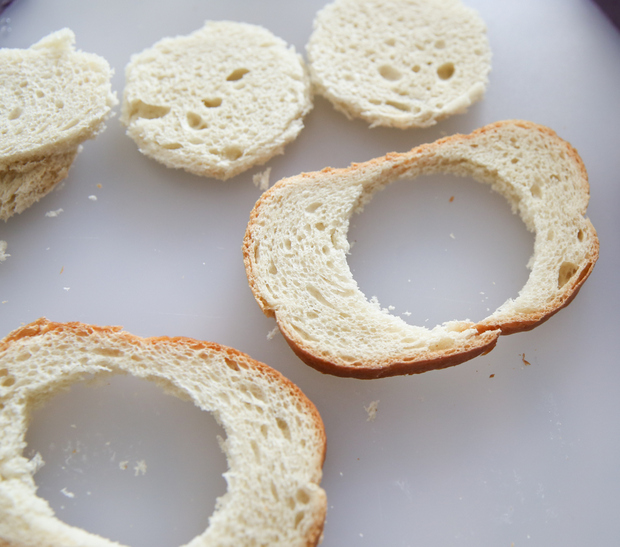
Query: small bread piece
(399, 63)
(275, 440)
(218, 101)
(296, 244)
(53, 99)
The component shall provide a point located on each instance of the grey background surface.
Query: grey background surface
(494, 452)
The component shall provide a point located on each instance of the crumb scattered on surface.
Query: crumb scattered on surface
(92, 198)
(525, 361)
(407, 313)
(53, 214)
(140, 468)
(272, 333)
(3, 255)
(123, 465)
(492, 376)
(372, 410)
(452, 236)
(99, 186)
(67, 288)
(66, 492)
(451, 199)
(261, 180)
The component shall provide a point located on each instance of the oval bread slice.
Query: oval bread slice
(296, 244)
(399, 63)
(53, 99)
(275, 440)
(218, 101)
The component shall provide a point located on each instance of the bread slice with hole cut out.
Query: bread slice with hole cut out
(399, 63)
(275, 439)
(217, 101)
(295, 251)
(54, 98)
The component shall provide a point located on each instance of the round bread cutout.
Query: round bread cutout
(295, 251)
(217, 101)
(399, 63)
(275, 440)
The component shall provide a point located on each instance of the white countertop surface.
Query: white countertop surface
(493, 452)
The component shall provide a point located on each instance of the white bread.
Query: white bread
(275, 440)
(296, 244)
(218, 101)
(399, 63)
(53, 98)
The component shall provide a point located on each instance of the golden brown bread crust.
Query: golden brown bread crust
(457, 154)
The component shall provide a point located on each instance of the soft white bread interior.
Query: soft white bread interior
(399, 63)
(53, 98)
(217, 101)
(296, 244)
(275, 440)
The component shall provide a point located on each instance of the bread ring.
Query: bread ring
(275, 442)
(295, 251)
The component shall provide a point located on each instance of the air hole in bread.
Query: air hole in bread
(40, 94)
(59, 104)
(15, 113)
(580, 235)
(237, 74)
(172, 146)
(446, 71)
(416, 68)
(8, 381)
(313, 207)
(195, 121)
(302, 496)
(232, 152)
(212, 103)
(256, 451)
(284, 428)
(400, 106)
(567, 271)
(231, 364)
(536, 191)
(440, 44)
(140, 109)
(390, 42)
(299, 517)
(390, 73)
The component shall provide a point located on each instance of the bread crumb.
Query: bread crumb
(261, 180)
(492, 376)
(99, 186)
(525, 361)
(407, 313)
(272, 333)
(140, 468)
(451, 199)
(67, 288)
(53, 214)
(3, 255)
(452, 236)
(92, 198)
(67, 493)
(123, 465)
(372, 410)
